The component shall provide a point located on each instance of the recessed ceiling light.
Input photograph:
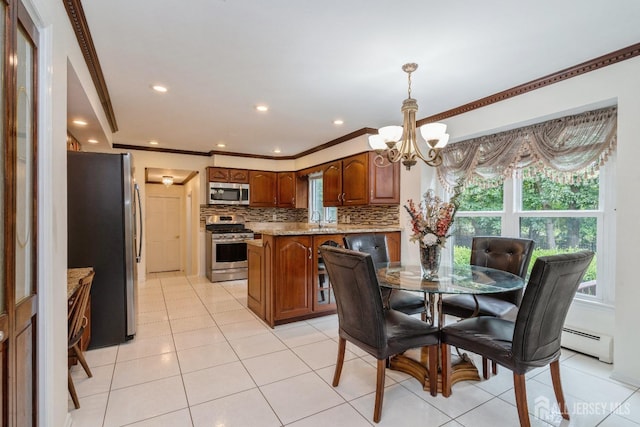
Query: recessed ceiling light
(221, 145)
(262, 108)
(80, 122)
(92, 141)
(277, 150)
(159, 88)
(153, 142)
(338, 122)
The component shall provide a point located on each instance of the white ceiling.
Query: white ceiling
(316, 61)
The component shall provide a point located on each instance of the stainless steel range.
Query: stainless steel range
(226, 247)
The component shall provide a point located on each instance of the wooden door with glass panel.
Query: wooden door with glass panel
(18, 293)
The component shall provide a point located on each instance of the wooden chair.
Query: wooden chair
(363, 321)
(77, 323)
(533, 340)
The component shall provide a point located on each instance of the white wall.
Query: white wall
(605, 86)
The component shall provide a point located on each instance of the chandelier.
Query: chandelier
(400, 143)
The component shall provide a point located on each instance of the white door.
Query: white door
(163, 237)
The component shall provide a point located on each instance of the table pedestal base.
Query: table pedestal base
(461, 370)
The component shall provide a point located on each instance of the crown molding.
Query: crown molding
(577, 70)
(85, 41)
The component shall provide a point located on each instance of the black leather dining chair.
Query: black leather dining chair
(502, 253)
(363, 321)
(533, 340)
(376, 246)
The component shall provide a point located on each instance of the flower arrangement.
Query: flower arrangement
(432, 218)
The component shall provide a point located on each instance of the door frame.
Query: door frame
(159, 190)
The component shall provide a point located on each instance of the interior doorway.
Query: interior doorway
(164, 228)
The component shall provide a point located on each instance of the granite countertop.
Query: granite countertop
(294, 228)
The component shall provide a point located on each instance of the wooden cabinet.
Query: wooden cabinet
(323, 298)
(394, 244)
(357, 181)
(277, 189)
(384, 182)
(240, 176)
(262, 189)
(256, 291)
(293, 268)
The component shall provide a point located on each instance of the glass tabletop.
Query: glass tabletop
(465, 279)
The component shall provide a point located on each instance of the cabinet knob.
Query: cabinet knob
(310, 254)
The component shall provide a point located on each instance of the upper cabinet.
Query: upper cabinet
(357, 181)
(277, 189)
(262, 189)
(240, 176)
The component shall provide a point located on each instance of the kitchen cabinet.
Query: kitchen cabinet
(357, 181)
(292, 273)
(240, 176)
(323, 298)
(287, 279)
(277, 189)
(262, 189)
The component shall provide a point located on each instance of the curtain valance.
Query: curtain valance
(566, 149)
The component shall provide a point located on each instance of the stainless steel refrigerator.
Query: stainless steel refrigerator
(104, 231)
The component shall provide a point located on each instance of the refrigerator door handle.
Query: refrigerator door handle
(139, 254)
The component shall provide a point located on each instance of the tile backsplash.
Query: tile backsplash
(364, 215)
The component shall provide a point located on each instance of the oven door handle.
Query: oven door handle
(231, 241)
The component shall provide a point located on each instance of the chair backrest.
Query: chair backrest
(358, 298)
(552, 285)
(373, 244)
(77, 307)
(503, 253)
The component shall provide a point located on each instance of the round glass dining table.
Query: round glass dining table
(458, 279)
(462, 279)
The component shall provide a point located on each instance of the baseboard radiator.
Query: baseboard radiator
(593, 344)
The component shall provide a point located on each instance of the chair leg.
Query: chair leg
(82, 360)
(485, 368)
(445, 353)
(342, 343)
(72, 391)
(557, 388)
(494, 367)
(520, 387)
(433, 370)
(377, 410)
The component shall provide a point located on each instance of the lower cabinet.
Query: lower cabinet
(287, 279)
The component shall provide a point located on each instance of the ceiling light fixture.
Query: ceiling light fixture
(262, 108)
(159, 88)
(167, 180)
(221, 145)
(338, 122)
(80, 122)
(388, 138)
(277, 150)
(153, 142)
(92, 141)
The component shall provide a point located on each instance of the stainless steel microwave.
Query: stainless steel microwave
(227, 193)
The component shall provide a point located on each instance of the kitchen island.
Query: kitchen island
(287, 280)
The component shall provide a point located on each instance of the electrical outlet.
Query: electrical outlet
(274, 217)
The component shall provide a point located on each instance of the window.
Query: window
(560, 218)
(317, 211)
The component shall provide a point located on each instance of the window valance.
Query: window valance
(566, 150)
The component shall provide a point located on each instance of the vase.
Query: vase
(430, 260)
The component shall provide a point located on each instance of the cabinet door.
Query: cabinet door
(323, 298)
(332, 184)
(355, 177)
(293, 257)
(218, 174)
(256, 291)
(393, 245)
(262, 191)
(241, 176)
(286, 189)
(384, 182)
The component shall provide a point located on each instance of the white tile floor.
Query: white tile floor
(201, 358)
